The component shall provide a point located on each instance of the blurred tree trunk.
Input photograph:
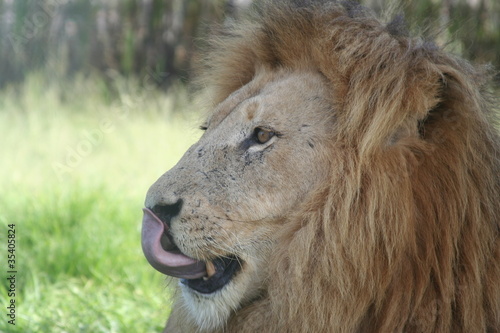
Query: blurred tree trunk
(174, 38)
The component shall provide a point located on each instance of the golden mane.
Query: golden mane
(405, 237)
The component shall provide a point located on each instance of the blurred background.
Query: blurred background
(130, 37)
(94, 107)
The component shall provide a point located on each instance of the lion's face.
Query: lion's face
(260, 157)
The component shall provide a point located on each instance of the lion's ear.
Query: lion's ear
(421, 105)
(390, 96)
(457, 104)
(427, 123)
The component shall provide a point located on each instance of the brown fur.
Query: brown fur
(404, 238)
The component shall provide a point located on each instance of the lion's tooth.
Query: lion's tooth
(210, 269)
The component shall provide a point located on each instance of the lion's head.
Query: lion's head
(347, 180)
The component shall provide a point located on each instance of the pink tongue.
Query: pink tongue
(168, 262)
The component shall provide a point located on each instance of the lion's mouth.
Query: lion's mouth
(224, 269)
(165, 256)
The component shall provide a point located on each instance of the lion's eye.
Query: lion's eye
(263, 135)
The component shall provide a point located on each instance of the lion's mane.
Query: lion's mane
(404, 238)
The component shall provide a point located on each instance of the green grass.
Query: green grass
(74, 171)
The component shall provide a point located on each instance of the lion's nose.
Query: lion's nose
(167, 211)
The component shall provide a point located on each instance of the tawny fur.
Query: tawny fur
(404, 237)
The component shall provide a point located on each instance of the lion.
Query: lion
(347, 180)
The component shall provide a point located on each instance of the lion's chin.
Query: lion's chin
(211, 311)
